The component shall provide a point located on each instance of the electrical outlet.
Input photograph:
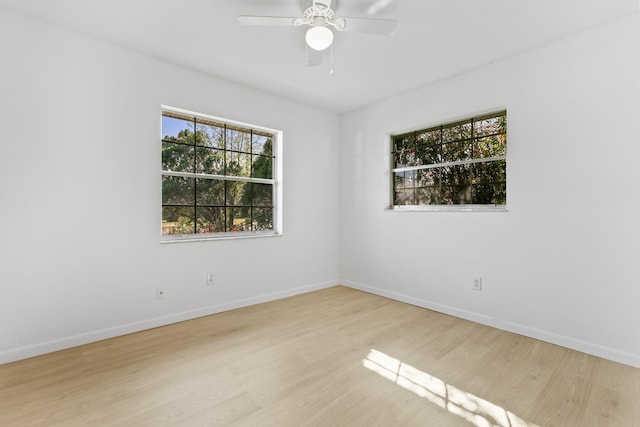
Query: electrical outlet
(477, 284)
(160, 293)
(211, 279)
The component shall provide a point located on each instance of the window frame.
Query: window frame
(470, 207)
(276, 179)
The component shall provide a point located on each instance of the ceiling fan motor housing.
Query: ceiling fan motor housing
(319, 9)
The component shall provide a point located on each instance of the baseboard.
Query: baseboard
(13, 355)
(550, 337)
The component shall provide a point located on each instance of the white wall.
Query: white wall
(562, 263)
(80, 194)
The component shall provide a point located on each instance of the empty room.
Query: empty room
(320, 213)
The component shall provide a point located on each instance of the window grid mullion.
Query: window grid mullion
(224, 169)
(195, 181)
(250, 184)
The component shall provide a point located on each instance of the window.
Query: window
(454, 166)
(219, 178)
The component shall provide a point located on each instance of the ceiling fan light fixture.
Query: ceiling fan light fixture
(319, 37)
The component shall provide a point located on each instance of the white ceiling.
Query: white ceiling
(434, 39)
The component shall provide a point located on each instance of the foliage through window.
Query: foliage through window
(461, 163)
(218, 178)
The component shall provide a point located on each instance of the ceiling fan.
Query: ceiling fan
(321, 18)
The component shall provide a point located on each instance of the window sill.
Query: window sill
(219, 236)
(448, 208)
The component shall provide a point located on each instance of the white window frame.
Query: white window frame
(275, 181)
(441, 207)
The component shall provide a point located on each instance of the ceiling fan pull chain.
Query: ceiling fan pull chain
(331, 60)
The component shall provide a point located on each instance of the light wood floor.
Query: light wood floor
(336, 357)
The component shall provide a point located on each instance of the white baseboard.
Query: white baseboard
(15, 354)
(550, 337)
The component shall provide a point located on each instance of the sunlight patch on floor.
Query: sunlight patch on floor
(477, 411)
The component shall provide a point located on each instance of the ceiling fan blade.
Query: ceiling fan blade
(378, 5)
(314, 57)
(383, 27)
(268, 20)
